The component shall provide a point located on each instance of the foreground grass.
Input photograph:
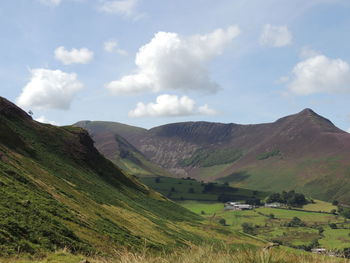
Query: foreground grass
(194, 254)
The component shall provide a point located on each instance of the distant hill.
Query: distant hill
(58, 191)
(111, 143)
(304, 151)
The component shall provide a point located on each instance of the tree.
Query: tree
(345, 212)
(191, 190)
(173, 189)
(253, 201)
(222, 221)
(320, 230)
(271, 216)
(275, 197)
(335, 203)
(296, 221)
(248, 228)
(157, 180)
(333, 226)
(290, 198)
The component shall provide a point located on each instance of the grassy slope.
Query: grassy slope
(58, 191)
(303, 176)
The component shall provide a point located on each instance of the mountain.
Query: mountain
(58, 191)
(113, 146)
(304, 151)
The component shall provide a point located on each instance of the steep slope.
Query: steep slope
(304, 151)
(111, 143)
(58, 191)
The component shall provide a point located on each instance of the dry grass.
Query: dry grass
(194, 254)
(208, 254)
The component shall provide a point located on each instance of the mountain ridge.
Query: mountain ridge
(305, 143)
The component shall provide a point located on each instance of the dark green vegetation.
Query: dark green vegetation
(190, 189)
(267, 155)
(304, 152)
(58, 191)
(293, 228)
(290, 198)
(204, 158)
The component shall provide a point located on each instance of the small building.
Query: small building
(273, 205)
(232, 203)
(237, 206)
(319, 250)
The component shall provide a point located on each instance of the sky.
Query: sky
(152, 62)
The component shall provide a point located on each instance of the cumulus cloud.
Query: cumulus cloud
(50, 2)
(320, 74)
(170, 106)
(173, 62)
(74, 56)
(275, 36)
(49, 89)
(113, 46)
(120, 7)
(43, 119)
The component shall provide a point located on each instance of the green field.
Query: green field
(315, 232)
(190, 189)
(320, 206)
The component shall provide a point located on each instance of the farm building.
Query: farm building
(319, 250)
(237, 206)
(273, 205)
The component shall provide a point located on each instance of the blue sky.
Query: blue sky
(148, 63)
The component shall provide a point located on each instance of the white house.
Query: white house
(319, 250)
(273, 205)
(237, 206)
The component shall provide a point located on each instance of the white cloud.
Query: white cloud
(275, 36)
(43, 119)
(49, 89)
(348, 130)
(78, 56)
(307, 52)
(170, 106)
(172, 62)
(50, 2)
(112, 46)
(120, 7)
(320, 74)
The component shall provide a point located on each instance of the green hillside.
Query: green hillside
(58, 191)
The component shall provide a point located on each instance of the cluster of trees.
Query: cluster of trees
(290, 198)
(249, 228)
(295, 222)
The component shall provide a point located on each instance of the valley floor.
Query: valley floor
(317, 227)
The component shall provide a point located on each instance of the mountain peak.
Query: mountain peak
(308, 111)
